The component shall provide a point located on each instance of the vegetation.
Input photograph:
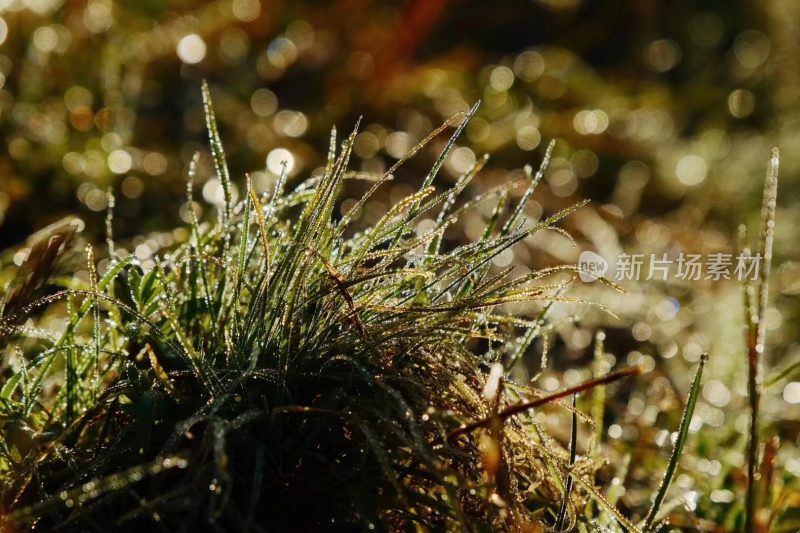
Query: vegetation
(280, 369)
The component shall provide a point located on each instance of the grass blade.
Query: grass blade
(757, 334)
(217, 151)
(573, 445)
(683, 432)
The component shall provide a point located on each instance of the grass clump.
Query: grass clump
(281, 370)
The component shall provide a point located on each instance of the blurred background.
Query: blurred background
(664, 115)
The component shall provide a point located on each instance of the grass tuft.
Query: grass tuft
(282, 365)
(283, 368)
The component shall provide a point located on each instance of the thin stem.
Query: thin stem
(525, 406)
(757, 335)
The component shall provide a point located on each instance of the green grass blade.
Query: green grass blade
(599, 394)
(517, 214)
(217, 151)
(242, 261)
(683, 432)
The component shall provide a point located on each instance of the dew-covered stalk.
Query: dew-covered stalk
(220, 164)
(757, 334)
(677, 450)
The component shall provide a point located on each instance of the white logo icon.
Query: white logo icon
(591, 266)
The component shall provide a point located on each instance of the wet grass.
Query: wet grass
(281, 370)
